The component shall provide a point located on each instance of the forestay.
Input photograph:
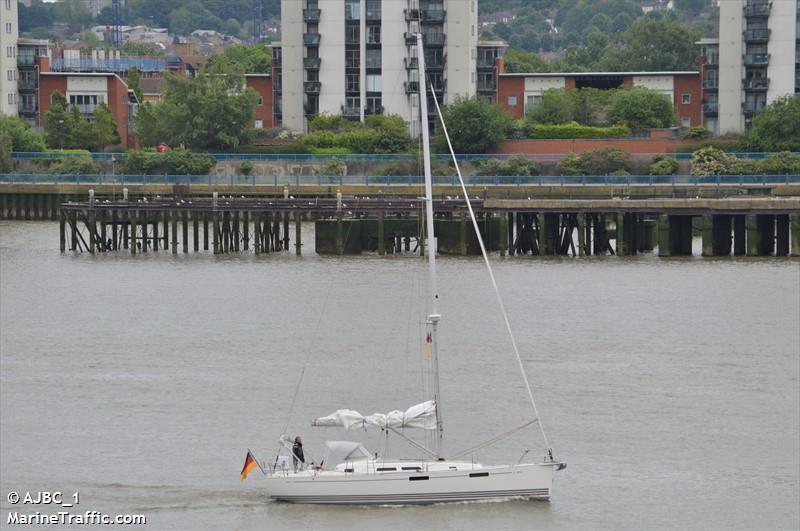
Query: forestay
(421, 416)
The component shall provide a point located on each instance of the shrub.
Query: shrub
(246, 168)
(641, 108)
(663, 165)
(597, 162)
(334, 167)
(330, 151)
(71, 165)
(331, 123)
(516, 165)
(711, 161)
(20, 134)
(782, 163)
(775, 127)
(695, 133)
(378, 134)
(745, 166)
(570, 165)
(575, 130)
(176, 162)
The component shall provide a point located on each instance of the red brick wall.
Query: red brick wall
(511, 86)
(263, 86)
(47, 86)
(118, 104)
(117, 100)
(689, 84)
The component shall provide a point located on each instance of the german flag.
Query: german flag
(249, 464)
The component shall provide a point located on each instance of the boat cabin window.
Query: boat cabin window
(350, 470)
(479, 474)
(417, 478)
(387, 469)
(412, 468)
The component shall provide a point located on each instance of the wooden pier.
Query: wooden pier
(351, 225)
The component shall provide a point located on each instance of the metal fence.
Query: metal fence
(409, 180)
(309, 157)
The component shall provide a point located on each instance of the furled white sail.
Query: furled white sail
(420, 416)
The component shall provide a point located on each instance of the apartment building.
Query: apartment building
(519, 92)
(9, 35)
(755, 61)
(359, 57)
(28, 76)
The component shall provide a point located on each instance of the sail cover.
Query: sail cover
(420, 416)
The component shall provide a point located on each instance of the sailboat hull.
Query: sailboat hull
(531, 481)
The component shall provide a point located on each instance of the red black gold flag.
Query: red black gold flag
(249, 464)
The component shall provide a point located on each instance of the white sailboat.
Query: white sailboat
(359, 477)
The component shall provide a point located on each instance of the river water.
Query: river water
(670, 387)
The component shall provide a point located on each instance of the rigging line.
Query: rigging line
(489, 266)
(492, 441)
(305, 363)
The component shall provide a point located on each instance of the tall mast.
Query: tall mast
(434, 317)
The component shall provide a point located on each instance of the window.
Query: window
(352, 10)
(686, 98)
(512, 101)
(10, 98)
(373, 58)
(374, 83)
(373, 34)
(353, 82)
(686, 121)
(352, 35)
(9, 51)
(353, 103)
(352, 59)
(8, 4)
(10, 75)
(259, 124)
(260, 101)
(8, 27)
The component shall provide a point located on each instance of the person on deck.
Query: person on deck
(297, 453)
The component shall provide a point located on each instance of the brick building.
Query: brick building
(517, 93)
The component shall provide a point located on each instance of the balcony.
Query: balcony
(351, 112)
(756, 83)
(752, 107)
(412, 63)
(711, 60)
(28, 109)
(757, 9)
(26, 60)
(27, 84)
(710, 109)
(439, 87)
(373, 110)
(756, 59)
(433, 39)
(311, 39)
(312, 63)
(312, 15)
(411, 14)
(487, 87)
(312, 87)
(710, 84)
(83, 108)
(412, 87)
(435, 63)
(486, 63)
(432, 16)
(411, 39)
(756, 35)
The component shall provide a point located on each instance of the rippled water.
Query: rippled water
(669, 386)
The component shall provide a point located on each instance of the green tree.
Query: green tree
(475, 125)
(192, 16)
(211, 111)
(20, 134)
(711, 161)
(135, 83)
(554, 108)
(776, 127)
(6, 162)
(656, 45)
(247, 59)
(146, 49)
(35, 16)
(103, 131)
(59, 123)
(520, 61)
(231, 27)
(641, 108)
